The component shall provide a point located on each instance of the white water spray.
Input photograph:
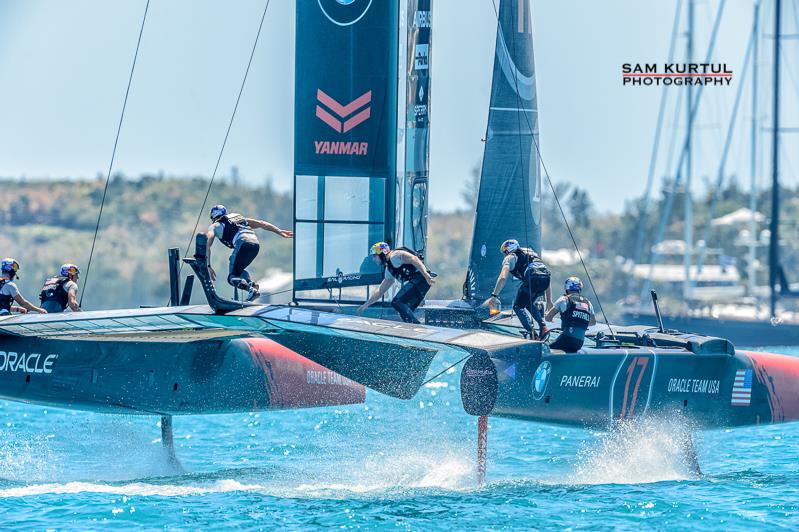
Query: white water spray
(638, 452)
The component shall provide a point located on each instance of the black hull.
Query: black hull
(600, 387)
(738, 331)
(158, 376)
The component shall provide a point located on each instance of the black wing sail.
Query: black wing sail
(510, 182)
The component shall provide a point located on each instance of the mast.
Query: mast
(773, 245)
(688, 232)
(753, 154)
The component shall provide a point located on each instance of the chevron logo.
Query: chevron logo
(355, 110)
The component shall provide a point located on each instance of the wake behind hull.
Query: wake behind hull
(600, 387)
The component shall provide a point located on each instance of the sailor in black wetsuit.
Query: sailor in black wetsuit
(525, 265)
(576, 315)
(61, 291)
(236, 232)
(406, 267)
(9, 293)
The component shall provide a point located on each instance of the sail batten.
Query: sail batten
(510, 181)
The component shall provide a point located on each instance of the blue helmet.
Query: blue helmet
(217, 211)
(509, 246)
(9, 265)
(69, 269)
(573, 284)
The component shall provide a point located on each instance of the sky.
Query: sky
(64, 68)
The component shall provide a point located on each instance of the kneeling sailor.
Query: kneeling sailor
(406, 267)
(576, 315)
(9, 291)
(61, 291)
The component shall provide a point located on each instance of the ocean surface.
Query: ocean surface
(387, 464)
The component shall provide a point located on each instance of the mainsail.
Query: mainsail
(508, 204)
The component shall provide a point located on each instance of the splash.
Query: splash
(108, 448)
(638, 452)
(383, 472)
(142, 489)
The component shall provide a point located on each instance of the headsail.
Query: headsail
(510, 183)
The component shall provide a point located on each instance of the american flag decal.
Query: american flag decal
(742, 388)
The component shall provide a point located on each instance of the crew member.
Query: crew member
(525, 265)
(61, 291)
(404, 266)
(576, 315)
(236, 232)
(9, 291)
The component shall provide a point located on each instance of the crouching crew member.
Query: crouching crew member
(236, 232)
(9, 291)
(576, 315)
(61, 291)
(525, 265)
(405, 267)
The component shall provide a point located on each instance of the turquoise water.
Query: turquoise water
(386, 464)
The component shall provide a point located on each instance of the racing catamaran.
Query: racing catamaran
(231, 356)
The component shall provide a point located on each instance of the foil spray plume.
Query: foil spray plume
(639, 451)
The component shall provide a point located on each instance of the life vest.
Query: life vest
(53, 290)
(5, 300)
(530, 268)
(231, 225)
(575, 319)
(406, 271)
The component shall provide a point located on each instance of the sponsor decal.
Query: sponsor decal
(327, 147)
(421, 57)
(479, 372)
(326, 378)
(342, 278)
(655, 74)
(707, 386)
(344, 12)
(742, 388)
(421, 19)
(27, 362)
(540, 379)
(579, 381)
(342, 111)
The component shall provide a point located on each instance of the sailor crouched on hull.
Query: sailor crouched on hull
(61, 291)
(9, 291)
(406, 267)
(525, 265)
(576, 315)
(236, 232)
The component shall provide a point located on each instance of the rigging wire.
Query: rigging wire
(724, 154)
(666, 214)
(227, 132)
(552, 187)
(113, 154)
(444, 370)
(639, 238)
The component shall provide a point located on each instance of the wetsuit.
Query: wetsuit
(413, 290)
(575, 315)
(234, 232)
(534, 275)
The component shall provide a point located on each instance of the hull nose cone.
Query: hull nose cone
(780, 376)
